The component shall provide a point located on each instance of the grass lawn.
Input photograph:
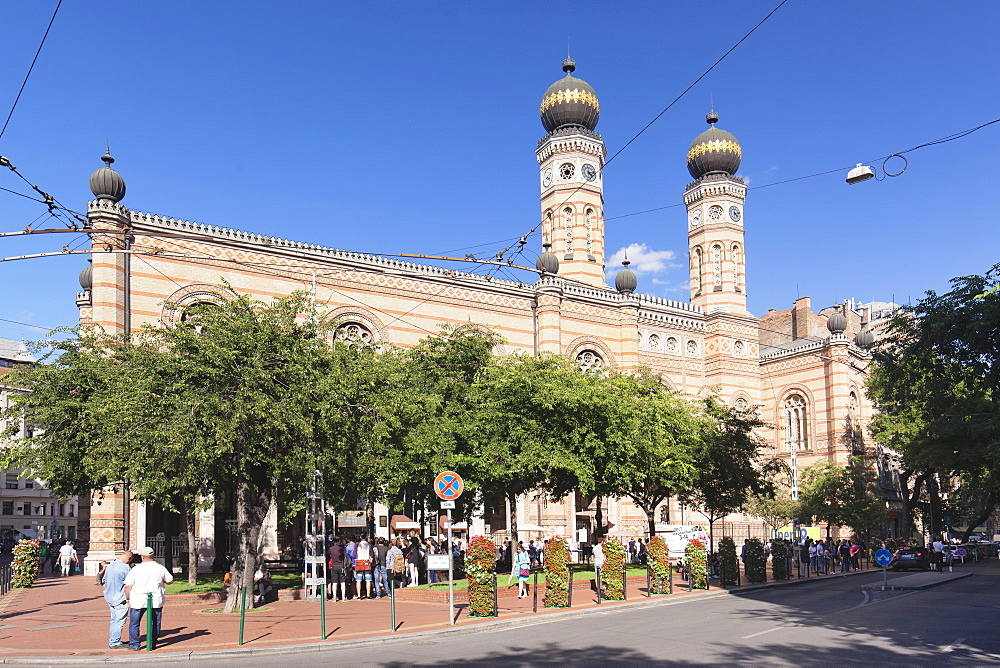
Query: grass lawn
(209, 582)
(580, 572)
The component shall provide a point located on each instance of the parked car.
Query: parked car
(911, 557)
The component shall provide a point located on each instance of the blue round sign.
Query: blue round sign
(883, 557)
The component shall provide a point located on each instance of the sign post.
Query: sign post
(449, 486)
(883, 558)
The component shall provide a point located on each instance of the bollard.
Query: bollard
(597, 572)
(496, 607)
(569, 596)
(392, 602)
(243, 610)
(625, 582)
(649, 588)
(534, 593)
(322, 611)
(149, 622)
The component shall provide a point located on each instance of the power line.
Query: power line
(25, 324)
(32, 67)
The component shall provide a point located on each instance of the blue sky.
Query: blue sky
(407, 127)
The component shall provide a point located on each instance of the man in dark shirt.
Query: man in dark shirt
(335, 557)
(380, 574)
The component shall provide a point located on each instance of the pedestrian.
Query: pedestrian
(598, 564)
(414, 562)
(67, 558)
(856, 556)
(743, 555)
(114, 595)
(380, 569)
(148, 577)
(845, 556)
(363, 568)
(643, 553)
(335, 556)
(396, 565)
(813, 557)
(261, 584)
(522, 566)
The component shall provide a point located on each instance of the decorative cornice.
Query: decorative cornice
(580, 95)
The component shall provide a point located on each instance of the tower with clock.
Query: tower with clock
(715, 221)
(571, 158)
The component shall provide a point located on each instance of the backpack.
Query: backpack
(398, 564)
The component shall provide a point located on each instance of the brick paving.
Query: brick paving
(69, 618)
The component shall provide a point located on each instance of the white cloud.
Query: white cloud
(643, 260)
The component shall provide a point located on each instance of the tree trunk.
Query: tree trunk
(651, 520)
(991, 501)
(370, 518)
(512, 498)
(252, 503)
(192, 542)
(599, 519)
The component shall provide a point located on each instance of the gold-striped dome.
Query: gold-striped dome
(570, 101)
(714, 150)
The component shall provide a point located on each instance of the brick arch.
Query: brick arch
(173, 306)
(581, 343)
(344, 314)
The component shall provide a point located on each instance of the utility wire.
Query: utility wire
(33, 61)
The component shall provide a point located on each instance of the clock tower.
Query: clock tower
(714, 204)
(571, 160)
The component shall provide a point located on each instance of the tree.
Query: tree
(776, 511)
(842, 495)
(935, 377)
(250, 399)
(730, 464)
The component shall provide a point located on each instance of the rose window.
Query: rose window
(566, 170)
(654, 341)
(671, 345)
(589, 361)
(353, 334)
(692, 347)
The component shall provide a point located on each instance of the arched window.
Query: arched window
(796, 437)
(590, 361)
(737, 267)
(717, 265)
(353, 334)
(193, 315)
(568, 224)
(590, 231)
(697, 269)
(547, 230)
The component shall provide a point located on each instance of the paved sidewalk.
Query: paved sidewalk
(66, 621)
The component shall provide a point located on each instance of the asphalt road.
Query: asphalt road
(826, 623)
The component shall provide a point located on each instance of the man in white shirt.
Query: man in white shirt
(146, 578)
(67, 557)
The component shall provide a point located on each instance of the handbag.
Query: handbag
(362, 565)
(524, 572)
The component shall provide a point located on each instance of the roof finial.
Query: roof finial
(569, 65)
(712, 117)
(107, 153)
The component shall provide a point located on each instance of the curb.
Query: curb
(377, 641)
(954, 576)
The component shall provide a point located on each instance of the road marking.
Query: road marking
(8, 626)
(760, 633)
(952, 646)
(51, 626)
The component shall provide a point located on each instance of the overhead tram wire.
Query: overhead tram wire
(663, 111)
(30, 68)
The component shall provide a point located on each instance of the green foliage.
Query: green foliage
(659, 561)
(729, 564)
(730, 462)
(935, 378)
(842, 495)
(695, 556)
(557, 574)
(776, 511)
(756, 563)
(779, 559)
(613, 573)
(480, 562)
(24, 568)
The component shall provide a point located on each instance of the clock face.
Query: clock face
(734, 213)
(715, 212)
(696, 218)
(547, 178)
(588, 171)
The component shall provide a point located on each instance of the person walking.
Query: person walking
(67, 558)
(114, 595)
(598, 565)
(148, 577)
(380, 569)
(522, 566)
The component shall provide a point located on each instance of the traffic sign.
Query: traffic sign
(447, 505)
(961, 552)
(448, 485)
(883, 557)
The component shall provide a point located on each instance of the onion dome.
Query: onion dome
(547, 262)
(837, 323)
(106, 183)
(625, 281)
(864, 338)
(714, 151)
(570, 101)
(87, 277)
